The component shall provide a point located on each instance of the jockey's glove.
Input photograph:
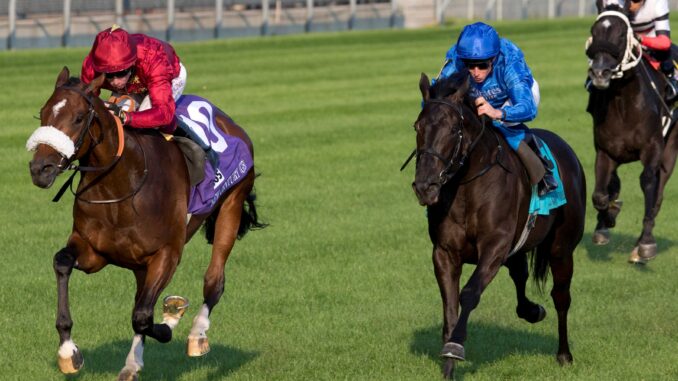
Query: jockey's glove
(117, 111)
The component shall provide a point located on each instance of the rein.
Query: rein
(103, 169)
(447, 174)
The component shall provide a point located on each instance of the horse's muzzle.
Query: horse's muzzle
(600, 77)
(43, 174)
(427, 193)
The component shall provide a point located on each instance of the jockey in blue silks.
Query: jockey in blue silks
(504, 90)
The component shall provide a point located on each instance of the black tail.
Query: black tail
(540, 267)
(249, 219)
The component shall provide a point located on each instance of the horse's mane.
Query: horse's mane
(455, 86)
(72, 82)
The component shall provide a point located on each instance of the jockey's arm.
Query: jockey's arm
(162, 108)
(661, 42)
(523, 107)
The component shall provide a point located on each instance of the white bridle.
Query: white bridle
(633, 52)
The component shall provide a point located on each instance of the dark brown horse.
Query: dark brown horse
(626, 102)
(130, 210)
(477, 194)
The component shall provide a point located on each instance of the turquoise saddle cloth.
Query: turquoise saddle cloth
(543, 205)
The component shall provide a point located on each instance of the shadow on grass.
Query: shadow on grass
(620, 244)
(486, 344)
(166, 361)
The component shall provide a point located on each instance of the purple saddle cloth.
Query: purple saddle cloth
(235, 159)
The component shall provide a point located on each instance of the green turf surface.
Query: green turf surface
(340, 285)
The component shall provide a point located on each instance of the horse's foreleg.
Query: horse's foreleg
(606, 187)
(646, 246)
(469, 298)
(668, 163)
(518, 269)
(150, 283)
(76, 255)
(448, 270)
(70, 358)
(226, 232)
(134, 361)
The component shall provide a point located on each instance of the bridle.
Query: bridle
(452, 167)
(633, 51)
(67, 163)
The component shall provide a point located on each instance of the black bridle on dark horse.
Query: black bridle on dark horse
(66, 163)
(447, 173)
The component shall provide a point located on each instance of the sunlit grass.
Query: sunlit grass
(340, 285)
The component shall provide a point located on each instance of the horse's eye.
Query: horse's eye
(79, 119)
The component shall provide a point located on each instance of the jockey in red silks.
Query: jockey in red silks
(650, 22)
(141, 66)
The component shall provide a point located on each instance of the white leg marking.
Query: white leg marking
(135, 358)
(170, 321)
(201, 323)
(67, 349)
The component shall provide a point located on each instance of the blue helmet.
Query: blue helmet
(478, 42)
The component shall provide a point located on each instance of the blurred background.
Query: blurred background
(53, 23)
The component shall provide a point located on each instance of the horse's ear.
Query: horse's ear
(627, 8)
(599, 5)
(462, 89)
(96, 84)
(424, 86)
(63, 77)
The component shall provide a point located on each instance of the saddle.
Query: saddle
(194, 157)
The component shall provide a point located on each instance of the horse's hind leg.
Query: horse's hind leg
(605, 196)
(561, 269)
(226, 232)
(518, 269)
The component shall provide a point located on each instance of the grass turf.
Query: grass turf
(340, 286)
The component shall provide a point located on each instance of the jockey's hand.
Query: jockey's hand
(117, 111)
(485, 108)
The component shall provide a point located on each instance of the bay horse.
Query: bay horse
(130, 210)
(477, 195)
(626, 102)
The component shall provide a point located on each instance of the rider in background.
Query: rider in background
(504, 90)
(141, 66)
(650, 22)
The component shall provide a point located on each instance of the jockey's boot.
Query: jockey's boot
(671, 90)
(532, 162)
(185, 131)
(547, 183)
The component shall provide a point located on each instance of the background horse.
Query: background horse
(130, 210)
(626, 102)
(477, 193)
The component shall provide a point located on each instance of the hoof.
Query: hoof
(198, 346)
(127, 374)
(647, 251)
(641, 256)
(564, 358)
(174, 306)
(534, 313)
(73, 364)
(453, 351)
(601, 237)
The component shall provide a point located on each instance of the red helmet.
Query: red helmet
(113, 51)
